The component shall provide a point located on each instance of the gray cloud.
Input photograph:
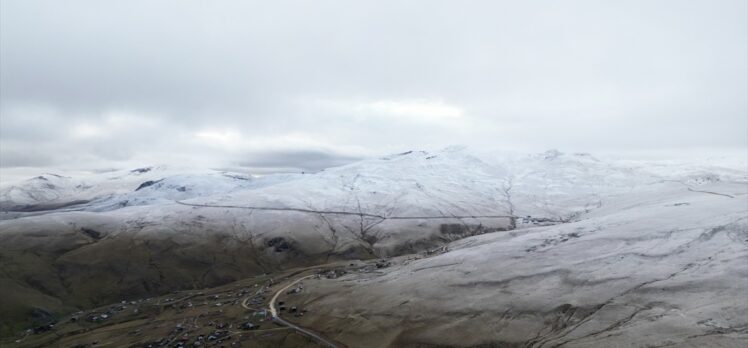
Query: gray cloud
(310, 161)
(101, 84)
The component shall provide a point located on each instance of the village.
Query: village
(236, 315)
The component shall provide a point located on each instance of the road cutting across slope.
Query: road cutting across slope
(350, 213)
(309, 333)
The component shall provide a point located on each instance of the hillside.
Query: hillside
(69, 242)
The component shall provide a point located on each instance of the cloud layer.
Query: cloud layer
(304, 85)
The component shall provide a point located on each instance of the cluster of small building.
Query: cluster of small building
(334, 273)
(195, 332)
(292, 309)
(95, 317)
(219, 334)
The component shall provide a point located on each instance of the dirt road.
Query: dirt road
(309, 333)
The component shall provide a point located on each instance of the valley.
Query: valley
(548, 250)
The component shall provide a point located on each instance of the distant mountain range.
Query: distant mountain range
(73, 242)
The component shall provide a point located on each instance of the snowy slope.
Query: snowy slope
(547, 186)
(385, 206)
(138, 233)
(451, 182)
(652, 268)
(113, 190)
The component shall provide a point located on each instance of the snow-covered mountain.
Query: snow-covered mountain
(102, 237)
(383, 206)
(665, 267)
(452, 182)
(118, 189)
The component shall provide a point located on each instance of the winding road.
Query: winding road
(274, 313)
(351, 213)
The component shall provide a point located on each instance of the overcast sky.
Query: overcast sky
(310, 84)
